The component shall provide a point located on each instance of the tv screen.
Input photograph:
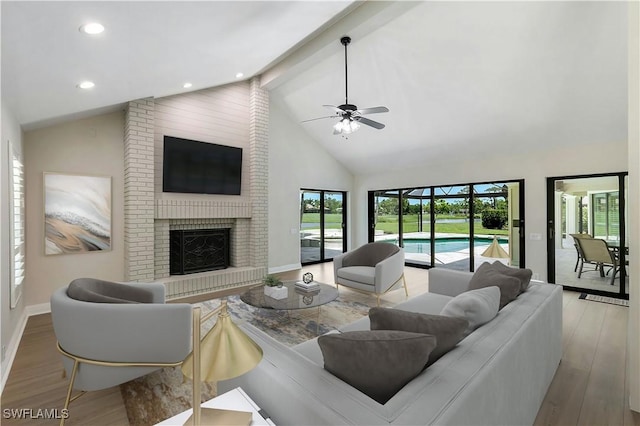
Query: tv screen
(201, 168)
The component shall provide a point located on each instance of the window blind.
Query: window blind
(17, 204)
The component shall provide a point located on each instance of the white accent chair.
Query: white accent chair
(110, 333)
(373, 268)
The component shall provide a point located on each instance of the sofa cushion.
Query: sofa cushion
(369, 254)
(99, 291)
(378, 363)
(489, 275)
(523, 274)
(447, 330)
(477, 306)
(361, 274)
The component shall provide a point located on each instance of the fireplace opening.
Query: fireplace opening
(198, 250)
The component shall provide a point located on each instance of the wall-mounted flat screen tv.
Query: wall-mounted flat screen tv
(201, 168)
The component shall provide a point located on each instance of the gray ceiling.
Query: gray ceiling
(461, 79)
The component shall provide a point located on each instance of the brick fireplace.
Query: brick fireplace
(150, 215)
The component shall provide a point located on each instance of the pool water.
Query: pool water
(423, 245)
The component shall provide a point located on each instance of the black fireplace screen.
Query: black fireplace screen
(198, 250)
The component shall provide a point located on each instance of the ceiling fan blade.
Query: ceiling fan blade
(334, 108)
(368, 122)
(373, 110)
(319, 118)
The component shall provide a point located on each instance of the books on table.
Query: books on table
(307, 286)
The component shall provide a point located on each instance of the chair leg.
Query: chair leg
(404, 283)
(67, 401)
(613, 276)
(580, 271)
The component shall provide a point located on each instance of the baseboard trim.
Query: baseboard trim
(285, 268)
(12, 347)
(43, 308)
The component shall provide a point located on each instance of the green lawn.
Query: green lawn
(331, 220)
(389, 225)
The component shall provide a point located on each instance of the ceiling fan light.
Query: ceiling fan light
(347, 126)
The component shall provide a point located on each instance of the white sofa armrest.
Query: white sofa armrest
(448, 282)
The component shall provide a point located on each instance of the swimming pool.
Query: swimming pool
(443, 245)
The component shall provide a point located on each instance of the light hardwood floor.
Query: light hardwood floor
(589, 388)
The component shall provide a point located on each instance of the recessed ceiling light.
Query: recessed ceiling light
(239, 75)
(92, 28)
(187, 85)
(86, 85)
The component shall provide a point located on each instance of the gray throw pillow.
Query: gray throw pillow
(99, 291)
(377, 363)
(523, 274)
(447, 330)
(477, 306)
(487, 275)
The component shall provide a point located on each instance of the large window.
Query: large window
(17, 212)
(452, 226)
(322, 225)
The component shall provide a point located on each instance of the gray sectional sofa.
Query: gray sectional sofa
(498, 375)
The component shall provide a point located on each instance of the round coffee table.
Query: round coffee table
(296, 298)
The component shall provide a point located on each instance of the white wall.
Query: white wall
(11, 320)
(296, 161)
(92, 146)
(534, 167)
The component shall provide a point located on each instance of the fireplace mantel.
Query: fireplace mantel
(202, 209)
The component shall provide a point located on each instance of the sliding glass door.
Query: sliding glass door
(591, 207)
(454, 227)
(322, 225)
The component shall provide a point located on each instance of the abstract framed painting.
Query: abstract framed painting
(77, 213)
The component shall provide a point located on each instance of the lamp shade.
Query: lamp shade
(494, 250)
(225, 352)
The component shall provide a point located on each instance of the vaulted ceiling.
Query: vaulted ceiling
(461, 79)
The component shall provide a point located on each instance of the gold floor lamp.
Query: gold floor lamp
(224, 352)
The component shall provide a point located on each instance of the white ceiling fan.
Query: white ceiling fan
(349, 116)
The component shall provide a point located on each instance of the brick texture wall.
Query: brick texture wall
(151, 214)
(259, 172)
(138, 193)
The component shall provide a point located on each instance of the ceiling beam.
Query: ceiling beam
(359, 19)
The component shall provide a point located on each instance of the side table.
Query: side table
(235, 399)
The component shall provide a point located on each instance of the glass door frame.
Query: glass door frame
(551, 228)
(322, 192)
(432, 197)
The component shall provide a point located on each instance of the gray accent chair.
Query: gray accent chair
(374, 268)
(110, 341)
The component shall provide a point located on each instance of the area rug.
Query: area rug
(604, 299)
(165, 393)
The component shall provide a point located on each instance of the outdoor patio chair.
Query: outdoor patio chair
(596, 252)
(575, 244)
